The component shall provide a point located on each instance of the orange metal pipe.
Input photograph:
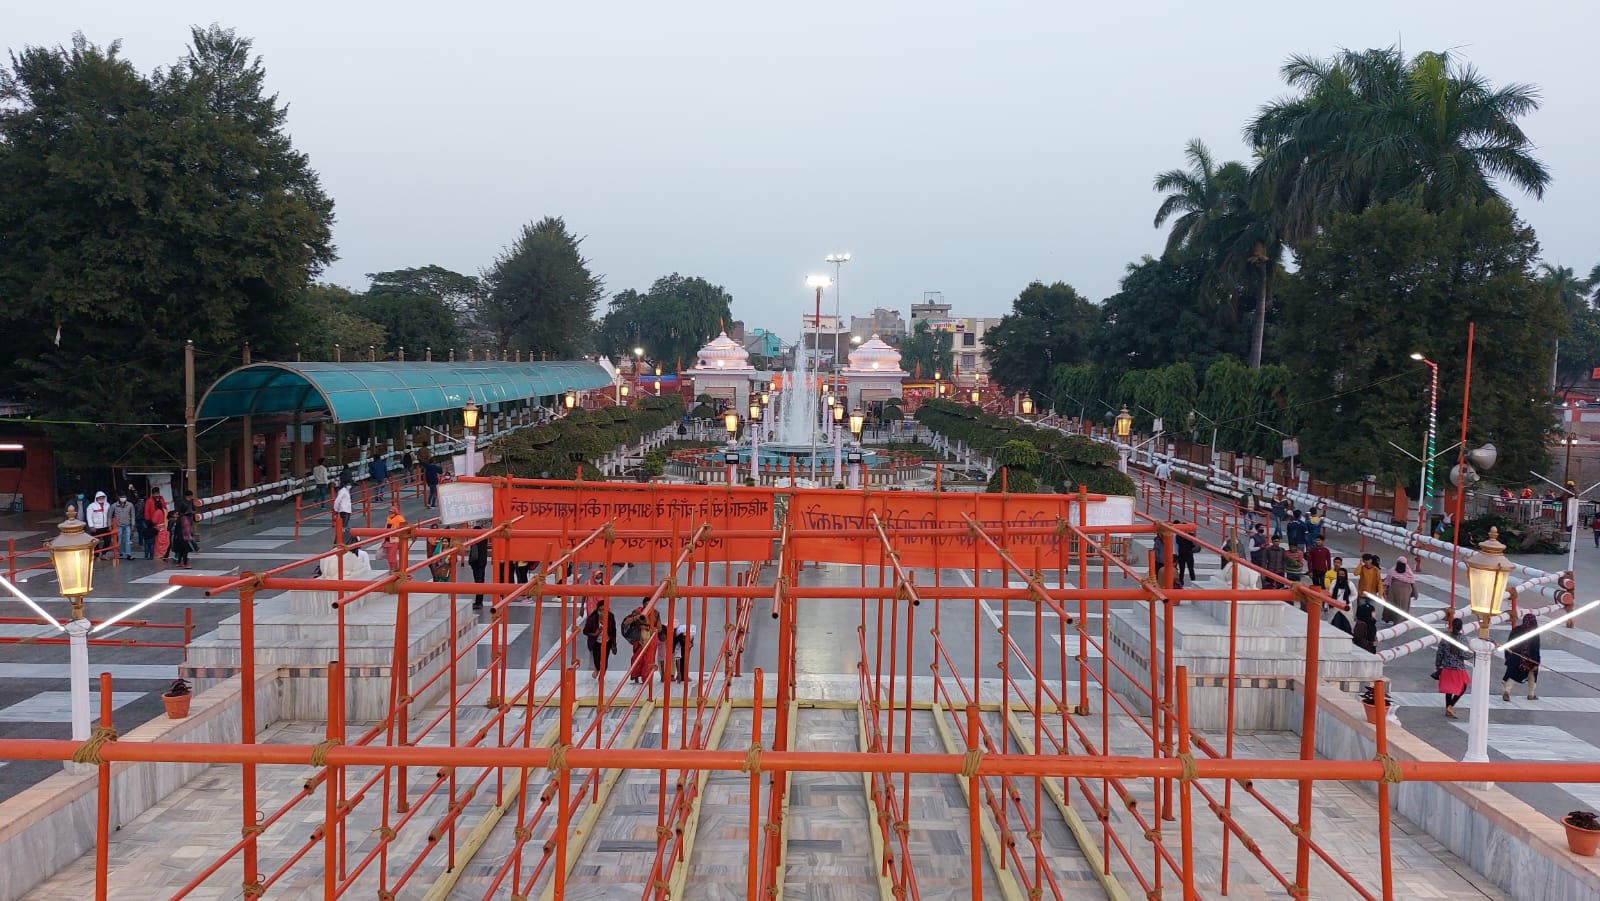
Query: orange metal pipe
(102, 845)
(1308, 738)
(1386, 866)
(1186, 824)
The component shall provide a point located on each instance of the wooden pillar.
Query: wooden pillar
(274, 448)
(222, 470)
(317, 450)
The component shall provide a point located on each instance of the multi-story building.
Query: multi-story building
(824, 339)
(966, 335)
(886, 324)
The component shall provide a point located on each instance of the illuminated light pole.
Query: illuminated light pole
(570, 401)
(1425, 488)
(658, 380)
(818, 282)
(857, 421)
(469, 419)
(838, 260)
(72, 552)
(1487, 571)
(838, 443)
(755, 441)
(1027, 405)
(731, 455)
(1124, 431)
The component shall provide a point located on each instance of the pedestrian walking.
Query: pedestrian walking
(1280, 512)
(635, 631)
(1294, 565)
(154, 508)
(431, 471)
(1522, 661)
(161, 527)
(319, 478)
(1274, 559)
(378, 473)
(1314, 524)
(1450, 668)
(1163, 473)
(1337, 581)
(478, 560)
(1258, 544)
(1400, 588)
(1369, 578)
(600, 629)
(1365, 633)
(341, 512)
(1185, 549)
(1319, 560)
(391, 545)
(1295, 531)
(682, 643)
(183, 541)
(123, 516)
(1595, 525)
(97, 520)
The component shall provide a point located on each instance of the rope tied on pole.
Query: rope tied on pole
(385, 895)
(558, 757)
(773, 829)
(1152, 835)
(1035, 893)
(663, 887)
(752, 759)
(319, 751)
(256, 829)
(1391, 769)
(902, 827)
(663, 831)
(89, 751)
(254, 890)
(1190, 771)
(385, 833)
(898, 891)
(970, 761)
(522, 833)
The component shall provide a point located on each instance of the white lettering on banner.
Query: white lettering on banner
(1115, 510)
(461, 502)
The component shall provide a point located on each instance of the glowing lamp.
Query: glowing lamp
(1487, 572)
(469, 415)
(72, 552)
(1124, 423)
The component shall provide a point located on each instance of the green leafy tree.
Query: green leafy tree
(1398, 278)
(671, 321)
(926, 351)
(541, 295)
(334, 316)
(460, 293)
(1580, 349)
(1048, 325)
(141, 211)
(1226, 404)
(1370, 126)
(1159, 317)
(1080, 391)
(411, 319)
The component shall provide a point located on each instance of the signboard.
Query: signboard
(668, 513)
(1291, 447)
(461, 502)
(910, 516)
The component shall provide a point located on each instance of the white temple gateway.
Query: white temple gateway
(874, 373)
(722, 369)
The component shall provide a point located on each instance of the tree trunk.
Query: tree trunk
(1261, 319)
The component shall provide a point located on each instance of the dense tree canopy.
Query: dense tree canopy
(418, 308)
(1048, 325)
(142, 211)
(671, 321)
(1379, 285)
(927, 350)
(1159, 317)
(541, 295)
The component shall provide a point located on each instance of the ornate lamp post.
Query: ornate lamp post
(72, 552)
(1027, 405)
(755, 441)
(838, 443)
(857, 421)
(469, 420)
(1487, 572)
(975, 397)
(730, 457)
(1124, 432)
(570, 401)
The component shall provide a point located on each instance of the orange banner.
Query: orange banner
(670, 512)
(911, 517)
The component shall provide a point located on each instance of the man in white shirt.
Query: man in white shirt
(1163, 473)
(319, 477)
(341, 513)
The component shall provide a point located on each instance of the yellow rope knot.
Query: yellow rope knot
(902, 827)
(558, 757)
(899, 891)
(254, 890)
(970, 761)
(663, 886)
(1299, 891)
(1153, 895)
(89, 751)
(319, 751)
(522, 833)
(385, 833)
(252, 830)
(1035, 835)
(1190, 771)
(385, 895)
(752, 759)
(1296, 831)
(1035, 893)
(1081, 710)
(1391, 769)
(549, 846)
(1152, 835)
(610, 533)
(774, 829)
(519, 897)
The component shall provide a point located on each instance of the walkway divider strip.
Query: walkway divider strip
(1009, 890)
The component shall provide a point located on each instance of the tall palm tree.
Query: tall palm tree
(1371, 126)
(1563, 283)
(1216, 219)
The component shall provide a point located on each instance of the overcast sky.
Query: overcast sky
(964, 148)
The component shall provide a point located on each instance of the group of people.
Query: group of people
(168, 533)
(646, 636)
(1452, 666)
(328, 483)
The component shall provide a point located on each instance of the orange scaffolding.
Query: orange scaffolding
(1041, 750)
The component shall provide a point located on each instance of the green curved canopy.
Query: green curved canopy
(360, 392)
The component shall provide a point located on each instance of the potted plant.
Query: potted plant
(1369, 703)
(177, 699)
(1583, 832)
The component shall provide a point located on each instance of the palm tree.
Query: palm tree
(1565, 286)
(1220, 221)
(1370, 126)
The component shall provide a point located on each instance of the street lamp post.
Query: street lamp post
(1027, 405)
(1487, 572)
(838, 260)
(755, 441)
(817, 282)
(1124, 431)
(838, 443)
(730, 457)
(1425, 488)
(570, 401)
(469, 420)
(857, 421)
(72, 552)
(658, 380)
